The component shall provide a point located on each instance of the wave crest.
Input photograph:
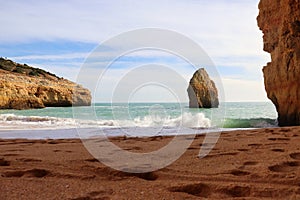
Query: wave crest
(187, 120)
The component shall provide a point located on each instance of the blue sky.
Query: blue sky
(59, 35)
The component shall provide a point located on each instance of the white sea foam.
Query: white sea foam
(190, 120)
(30, 122)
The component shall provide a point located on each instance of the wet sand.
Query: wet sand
(251, 164)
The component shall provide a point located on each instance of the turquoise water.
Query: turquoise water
(229, 115)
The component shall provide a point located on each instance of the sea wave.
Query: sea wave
(24, 122)
(250, 123)
(187, 120)
(29, 122)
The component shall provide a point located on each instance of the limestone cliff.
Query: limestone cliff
(202, 91)
(24, 87)
(279, 21)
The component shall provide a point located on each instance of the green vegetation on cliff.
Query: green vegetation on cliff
(11, 66)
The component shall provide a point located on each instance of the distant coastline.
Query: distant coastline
(25, 87)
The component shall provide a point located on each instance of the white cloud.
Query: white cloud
(221, 21)
(51, 57)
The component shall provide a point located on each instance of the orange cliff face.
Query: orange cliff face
(24, 87)
(279, 21)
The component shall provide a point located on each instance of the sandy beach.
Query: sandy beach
(93, 92)
(250, 164)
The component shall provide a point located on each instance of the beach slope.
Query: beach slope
(251, 164)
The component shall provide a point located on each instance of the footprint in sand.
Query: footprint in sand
(52, 142)
(133, 149)
(204, 191)
(118, 175)
(295, 156)
(247, 165)
(198, 189)
(222, 154)
(254, 145)
(279, 139)
(192, 148)
(4, 162)
(92, 160)
(269, 130)
(102, 194)
(278, 150)
(237, 172)
(38, 173)
(15, 150)
(237, 191)
(243, 150)
(150, 176)
(250, 163)
(285, 130)
(29, 160)
(285, 167)
(11, 154)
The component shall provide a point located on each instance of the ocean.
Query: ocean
(134, 119)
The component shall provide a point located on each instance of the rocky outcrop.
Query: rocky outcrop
(202, 91)
(280, 24)
(25, 87)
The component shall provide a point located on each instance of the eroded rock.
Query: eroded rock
(24, 87)
(280, 24)
(202, 91)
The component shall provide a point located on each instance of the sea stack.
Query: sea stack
(280, 24)
(202, 91)
(25, 87)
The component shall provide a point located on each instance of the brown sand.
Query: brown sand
(253, 164)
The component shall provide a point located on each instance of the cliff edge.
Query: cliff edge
(280, 24)
(25, 87)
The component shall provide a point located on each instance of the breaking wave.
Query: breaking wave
(250, 123)
(188, 120)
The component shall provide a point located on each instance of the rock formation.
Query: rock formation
(25, 87)
(202, 91)
(280, 24)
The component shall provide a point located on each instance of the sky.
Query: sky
(59, 36)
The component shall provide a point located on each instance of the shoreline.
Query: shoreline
(251, 164)
(71, 133)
